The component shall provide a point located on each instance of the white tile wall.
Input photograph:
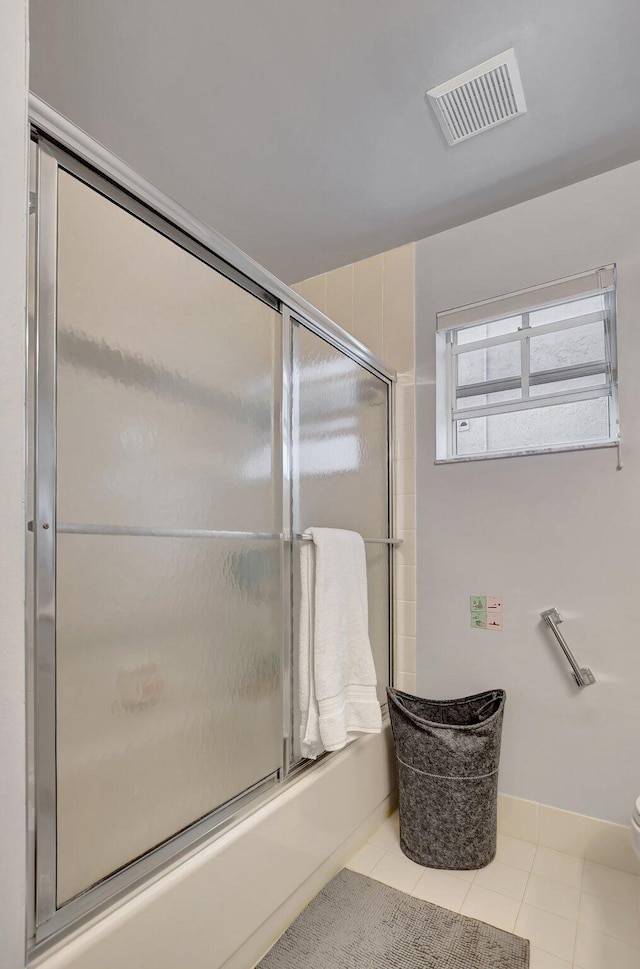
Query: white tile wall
(405, 525)
(565, 834)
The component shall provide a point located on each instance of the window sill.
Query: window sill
(493, 456)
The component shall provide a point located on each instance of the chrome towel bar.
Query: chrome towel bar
(582, 675)
(78, 528)
(367, 541)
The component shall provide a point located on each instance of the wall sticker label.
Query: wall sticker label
(486, 612)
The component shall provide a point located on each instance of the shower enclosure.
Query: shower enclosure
(191, 416)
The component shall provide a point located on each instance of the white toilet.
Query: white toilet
(635, 827)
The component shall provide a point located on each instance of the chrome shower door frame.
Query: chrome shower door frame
(351, 350)
(44, 532)
(61, 146)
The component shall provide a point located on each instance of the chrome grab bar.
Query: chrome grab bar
(582, 675)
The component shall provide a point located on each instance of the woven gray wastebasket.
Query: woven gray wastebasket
(448, 753)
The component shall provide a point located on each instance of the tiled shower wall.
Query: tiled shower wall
(374, 301)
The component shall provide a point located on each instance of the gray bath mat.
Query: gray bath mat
(358, 923)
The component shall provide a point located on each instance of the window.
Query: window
(532, 371)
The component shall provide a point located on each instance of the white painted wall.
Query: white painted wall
(549, 530)
(13, 224)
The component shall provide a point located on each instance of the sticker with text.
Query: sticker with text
(494, 621)
(494, 604)
(478, 603)
(479, 620)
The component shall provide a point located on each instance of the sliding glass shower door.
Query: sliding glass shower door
(168, 591)
(188, 425)
(341, 474)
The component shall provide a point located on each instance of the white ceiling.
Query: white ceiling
(299, 129)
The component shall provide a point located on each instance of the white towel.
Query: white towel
(338, 697)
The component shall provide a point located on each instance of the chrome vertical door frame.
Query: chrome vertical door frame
(44, 527)
(295, 763)
(286, 448)
(391, 514)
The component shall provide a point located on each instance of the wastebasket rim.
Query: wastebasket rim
(396, 695)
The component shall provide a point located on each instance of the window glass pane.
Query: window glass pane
(491, 363)
(582, 422)
(479, 400)
(471, 334)
(499, 327)
(575, 383)
(566, 348)
(471, 436)
(565, 311)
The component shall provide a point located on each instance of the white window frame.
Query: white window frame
(449, 394)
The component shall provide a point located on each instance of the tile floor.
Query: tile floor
(578, 915)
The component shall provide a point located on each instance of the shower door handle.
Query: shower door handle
(582, 675)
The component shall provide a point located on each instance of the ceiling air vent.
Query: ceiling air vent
(480, 98)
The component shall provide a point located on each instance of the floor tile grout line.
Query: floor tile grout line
(603, 930)
(522, 903)
(391, 850)
(575, 934)
(466, 894)
(573, 921)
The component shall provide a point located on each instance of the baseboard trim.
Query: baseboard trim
(593, 839)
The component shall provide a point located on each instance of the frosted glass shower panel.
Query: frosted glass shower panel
(168, 633)
(340, 439)
(164, 380)
(168, 700)
(341, 470)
